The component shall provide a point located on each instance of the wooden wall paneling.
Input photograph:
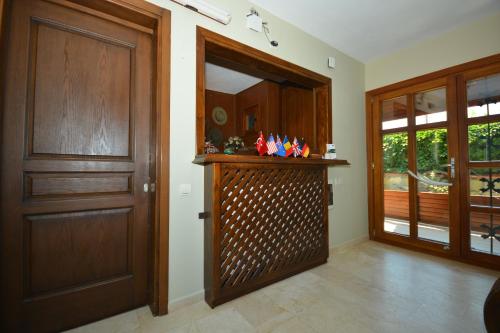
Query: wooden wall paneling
(273, 115)
(263, 100)
(323, 117)
(228, 103)
(298, 113)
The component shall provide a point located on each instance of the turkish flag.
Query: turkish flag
(261, 144)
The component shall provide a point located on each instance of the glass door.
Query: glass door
(415, 177)
(480, 143)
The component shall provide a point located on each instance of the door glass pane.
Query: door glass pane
(484, 142)
(430, 106)
(396, 200)
(485, 232)
(483, 96)
(394, 113)
(432, 200)
(484, 187)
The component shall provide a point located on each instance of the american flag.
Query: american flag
(296, 148)
(271, 145)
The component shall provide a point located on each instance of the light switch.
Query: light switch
(185, 189)
(331, 62)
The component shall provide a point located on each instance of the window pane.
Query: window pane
(430, 106)
(485, 233)
(483, 96)
(432, 201)
(394, 113)
(484, 187)
(396, 199)
(484, 142)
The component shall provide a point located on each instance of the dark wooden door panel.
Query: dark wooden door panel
(89, 114)
(75, 136)
(52, 185)
(99, 239)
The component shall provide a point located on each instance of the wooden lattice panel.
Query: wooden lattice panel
(269, 222)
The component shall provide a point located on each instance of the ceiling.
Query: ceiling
(369, 29)
(226, 80)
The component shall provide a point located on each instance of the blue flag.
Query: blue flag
(281, 150)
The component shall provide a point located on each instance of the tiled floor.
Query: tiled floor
(369, 287)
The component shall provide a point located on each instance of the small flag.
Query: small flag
(271, 145)
(288, 147)
(296, 148)
(304, 148)
(281, 151)
(261, 144)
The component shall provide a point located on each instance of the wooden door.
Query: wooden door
(416, 186)
(479, 114)
(75, 155)
(463, 221)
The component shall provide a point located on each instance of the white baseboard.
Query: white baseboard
(186, 300)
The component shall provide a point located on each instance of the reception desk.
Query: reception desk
(266, 218)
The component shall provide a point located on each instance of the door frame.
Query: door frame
(370, 97)
(149, 18)
(226, 52)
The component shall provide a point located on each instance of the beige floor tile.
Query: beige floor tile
(368, 288)
(226, 321)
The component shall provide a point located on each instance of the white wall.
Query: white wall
(348, 219)
(469, 42)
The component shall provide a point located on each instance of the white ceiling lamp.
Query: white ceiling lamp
(206, 9)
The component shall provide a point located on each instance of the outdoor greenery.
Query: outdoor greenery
(484, 142)
(432, 148)
(432, 156)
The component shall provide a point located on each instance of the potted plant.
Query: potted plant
(232, 145)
